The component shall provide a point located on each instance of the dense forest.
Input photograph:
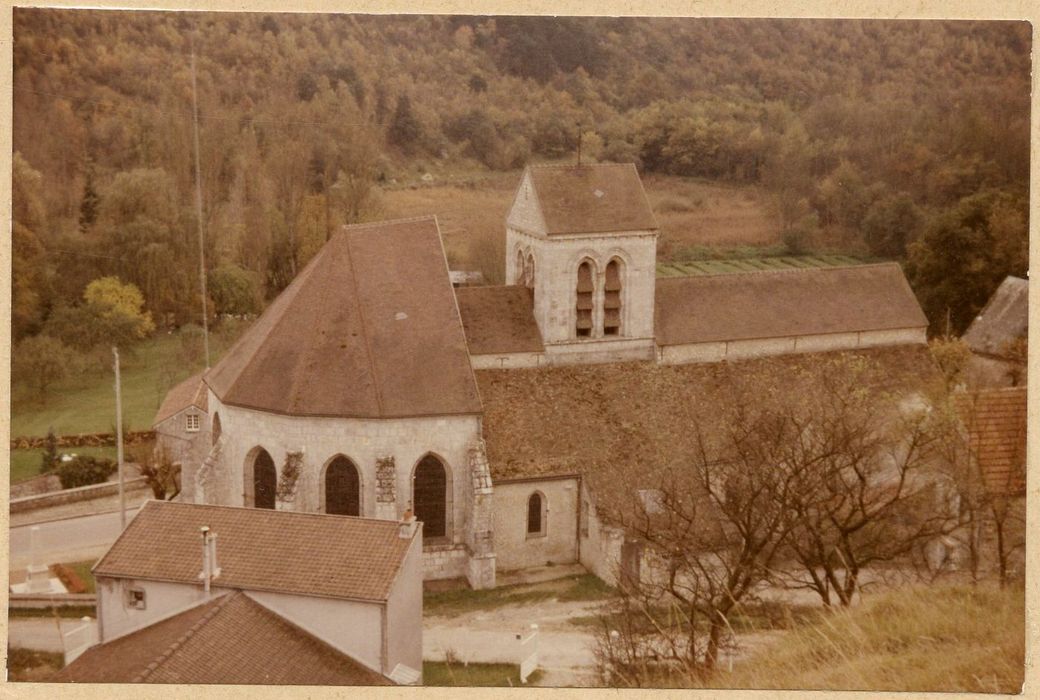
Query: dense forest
(911, 138)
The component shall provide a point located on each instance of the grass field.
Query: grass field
(941, 639)
(86, 403)
(440, 673)
(448, 603)
(691, 213)
(751, 264)
(26, 464)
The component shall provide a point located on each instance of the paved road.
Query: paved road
(72, 539)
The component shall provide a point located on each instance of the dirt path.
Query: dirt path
(489, 636)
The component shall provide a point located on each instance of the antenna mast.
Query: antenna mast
(198, 200)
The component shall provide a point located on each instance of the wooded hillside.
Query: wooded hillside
(910, 138)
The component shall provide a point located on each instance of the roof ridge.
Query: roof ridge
(188, 634)
(385, 222)
(267, 511)
(582, 165)
(364, 326)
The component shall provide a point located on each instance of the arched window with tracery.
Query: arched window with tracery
(612, 298)
(265, 480)
(430, 496)
(215, 430)
(529, 272)
(583, 307)
(342, 487)
(536, 514)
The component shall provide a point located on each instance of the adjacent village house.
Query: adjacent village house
(210, 594)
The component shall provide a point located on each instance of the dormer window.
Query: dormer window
(191, 422)
(584, 305)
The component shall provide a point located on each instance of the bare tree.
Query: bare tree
(713, 529)
(868, 487)
(161, 475)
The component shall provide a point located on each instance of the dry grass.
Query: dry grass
(949, 639)
(472, 213)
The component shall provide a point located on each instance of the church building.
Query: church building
(498, 415)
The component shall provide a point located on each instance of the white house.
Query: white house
(216, 594)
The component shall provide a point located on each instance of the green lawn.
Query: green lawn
(440, 673)
(82, 569)
(25, 464)
(751, 264)
(574, 588)
(86, 403)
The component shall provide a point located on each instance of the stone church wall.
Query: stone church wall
(514, 547)
(764, 347)
(367, 443)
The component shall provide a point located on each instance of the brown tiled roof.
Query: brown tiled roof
(369, 328)
(231, 639)
(996, 423)
(499, 320)
(591, 198)
(784, 303)
(1004, 319)
(616, 422)
(190, 392)
(258, 549)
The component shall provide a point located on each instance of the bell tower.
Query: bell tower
(584, 239)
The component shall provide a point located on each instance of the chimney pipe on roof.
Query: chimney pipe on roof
(406, 528)
(210, 569)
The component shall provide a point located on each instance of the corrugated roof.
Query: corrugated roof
(258, 549)
(784, 303)
(191, 392)
(614, 423)
(369, 329)
(591, 198)
(1005, 318)
(499, 320)
(231, 639)
(996, 423)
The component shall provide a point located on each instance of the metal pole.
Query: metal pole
(198, 202)
(119, 440)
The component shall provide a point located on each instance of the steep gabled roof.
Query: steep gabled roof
(996, 423)
(1004, 318)
(190, 392)
(499, 320)
(368, 329)
(231, 639)
(258, 549)
(601, 198)
(784, 303)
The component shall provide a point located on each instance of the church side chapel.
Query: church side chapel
(499, 415)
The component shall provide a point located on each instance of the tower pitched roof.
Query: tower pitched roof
(368, 329)
(600, 198)
(1004, 318)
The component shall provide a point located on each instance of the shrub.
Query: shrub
(50, 452)
(84, 471)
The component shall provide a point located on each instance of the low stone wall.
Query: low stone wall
(445, 561)
(36, 601)
(81, 493)
(135, 437)
(44, 483)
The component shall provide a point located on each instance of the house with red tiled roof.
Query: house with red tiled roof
(371, 387)
(215, 594)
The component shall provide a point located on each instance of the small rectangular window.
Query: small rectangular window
(135, 598)
(192, 422)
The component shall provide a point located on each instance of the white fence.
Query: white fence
(79, 639)
(528, 653)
